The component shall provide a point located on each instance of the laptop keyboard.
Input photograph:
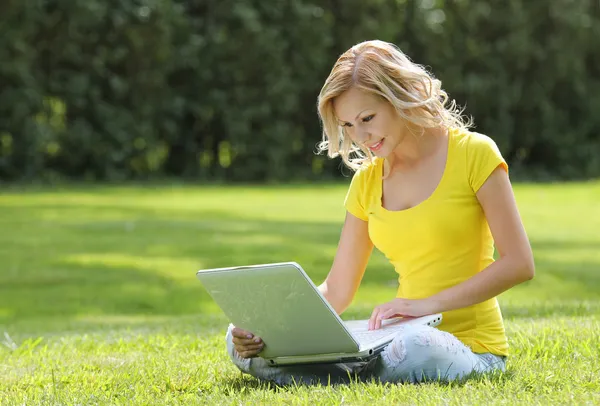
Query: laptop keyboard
(365, 336)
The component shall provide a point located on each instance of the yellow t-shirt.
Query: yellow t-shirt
(442, 241)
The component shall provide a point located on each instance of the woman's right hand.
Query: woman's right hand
(245, 343)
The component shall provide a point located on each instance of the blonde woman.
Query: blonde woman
(431, 195)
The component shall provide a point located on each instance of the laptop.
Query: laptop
(279, 303)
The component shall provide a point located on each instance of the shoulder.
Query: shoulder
(481, 155)
(362, 187)
(368, 172)
(473, 142)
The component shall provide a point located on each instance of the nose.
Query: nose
(362, 135)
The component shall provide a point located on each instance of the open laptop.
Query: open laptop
(279, 303)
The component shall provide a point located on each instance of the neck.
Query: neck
(416, 148)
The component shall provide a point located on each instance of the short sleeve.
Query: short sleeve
(483, 157)
(355, 197)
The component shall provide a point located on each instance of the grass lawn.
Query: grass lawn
(99, 303)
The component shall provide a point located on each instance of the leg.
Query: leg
(289, 375)
(423, 353)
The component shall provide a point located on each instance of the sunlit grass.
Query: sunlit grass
(99, 301)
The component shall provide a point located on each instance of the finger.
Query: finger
(255, 347)
(241, 341)
(241, 348)
(249, 353)
(378, 318)
(246, 341)
(388, 314)
(241, 333)
(373, 318)
(244, 354)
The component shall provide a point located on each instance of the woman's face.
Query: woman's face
(370, 121)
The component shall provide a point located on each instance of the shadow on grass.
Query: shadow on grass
(68, 260)
(238, 384)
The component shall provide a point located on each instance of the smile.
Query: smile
(375, 147)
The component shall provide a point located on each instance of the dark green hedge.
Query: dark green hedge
(226, 90)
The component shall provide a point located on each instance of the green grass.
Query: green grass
(99, 303)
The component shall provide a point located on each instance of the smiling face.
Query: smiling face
(414, 104)
(370, 121)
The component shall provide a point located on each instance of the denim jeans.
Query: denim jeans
(416, 354)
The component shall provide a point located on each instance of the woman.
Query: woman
(433, 197)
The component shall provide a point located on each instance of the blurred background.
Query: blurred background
(225, 91)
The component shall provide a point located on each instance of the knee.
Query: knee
(417, 354)
(437, 343)
(397, 350)
(421, 345)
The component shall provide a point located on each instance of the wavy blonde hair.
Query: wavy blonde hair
(381, 68)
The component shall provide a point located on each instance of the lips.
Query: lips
(376, 146)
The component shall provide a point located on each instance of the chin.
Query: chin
(384, 150)
(382, 153)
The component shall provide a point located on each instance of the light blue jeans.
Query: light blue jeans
(417, 354)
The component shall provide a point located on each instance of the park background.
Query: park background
(143, 140)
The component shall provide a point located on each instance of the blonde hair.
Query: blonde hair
(381, 68)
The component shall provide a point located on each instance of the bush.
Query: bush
(227, 90)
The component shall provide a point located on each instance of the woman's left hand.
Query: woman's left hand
(407, 308)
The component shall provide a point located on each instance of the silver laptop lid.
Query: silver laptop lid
(279, 303)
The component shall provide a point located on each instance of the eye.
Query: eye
(346, 125)
(368, 118)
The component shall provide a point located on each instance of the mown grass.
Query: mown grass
(99, 303)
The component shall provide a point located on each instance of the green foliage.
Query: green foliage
(226, 90)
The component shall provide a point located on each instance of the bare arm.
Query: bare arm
(353, 253)
(515, 264)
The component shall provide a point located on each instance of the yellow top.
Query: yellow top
(442, 241)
